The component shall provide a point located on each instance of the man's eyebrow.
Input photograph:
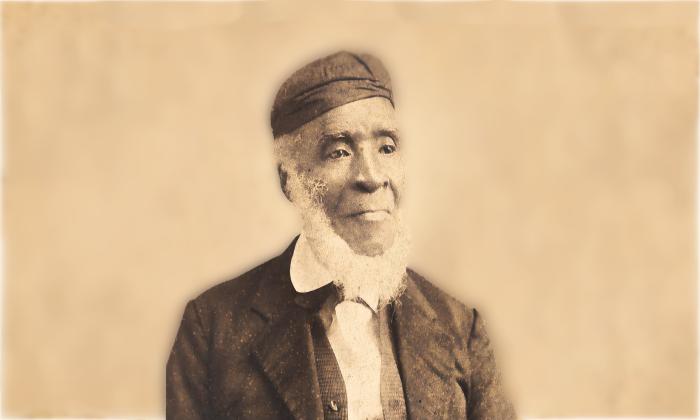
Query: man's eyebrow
(335, 136)
(388, 132)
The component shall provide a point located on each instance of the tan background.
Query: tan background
(552, 177)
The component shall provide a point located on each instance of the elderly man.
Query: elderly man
(336, 327)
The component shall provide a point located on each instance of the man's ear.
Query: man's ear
(283, 181)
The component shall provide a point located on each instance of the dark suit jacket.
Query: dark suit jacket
(244, 351)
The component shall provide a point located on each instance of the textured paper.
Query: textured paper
(551, 174)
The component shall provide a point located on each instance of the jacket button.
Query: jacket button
(333, 406)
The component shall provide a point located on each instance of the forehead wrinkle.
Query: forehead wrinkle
(357, 120)
(338, 125)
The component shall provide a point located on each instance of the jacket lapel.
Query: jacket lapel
(426, 357)
(285, 350)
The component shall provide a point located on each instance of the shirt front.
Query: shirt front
(353, 335)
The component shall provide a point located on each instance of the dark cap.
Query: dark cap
(325, 84)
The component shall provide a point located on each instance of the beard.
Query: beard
(355, 275)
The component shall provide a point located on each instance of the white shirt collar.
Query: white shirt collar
(308, 273)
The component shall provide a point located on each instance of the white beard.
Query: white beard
(355, 275)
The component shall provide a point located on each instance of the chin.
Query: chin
(370, 249)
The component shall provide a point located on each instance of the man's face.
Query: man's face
(354, 151)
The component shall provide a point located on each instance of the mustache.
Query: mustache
(355, 203)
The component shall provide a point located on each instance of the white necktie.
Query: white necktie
(359, 358)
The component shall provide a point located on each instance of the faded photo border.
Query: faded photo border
(22, 252)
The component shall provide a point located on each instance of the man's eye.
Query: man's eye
(339, 153)
(388, 148)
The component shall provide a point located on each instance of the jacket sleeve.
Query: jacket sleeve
(487, 400)
(186, 372)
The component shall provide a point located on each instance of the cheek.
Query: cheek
(334, 182)
(333, 195)
(397, 178)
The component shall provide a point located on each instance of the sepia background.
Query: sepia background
(551, 172)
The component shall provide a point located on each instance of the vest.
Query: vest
(330, 378)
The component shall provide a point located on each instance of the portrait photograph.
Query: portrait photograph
(349, 209)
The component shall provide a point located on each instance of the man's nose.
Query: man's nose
(369, 172)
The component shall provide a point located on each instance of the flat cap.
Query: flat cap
(325, 84)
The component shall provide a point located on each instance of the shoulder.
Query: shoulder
(455, 316)
(233, 299)
(235, 290)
